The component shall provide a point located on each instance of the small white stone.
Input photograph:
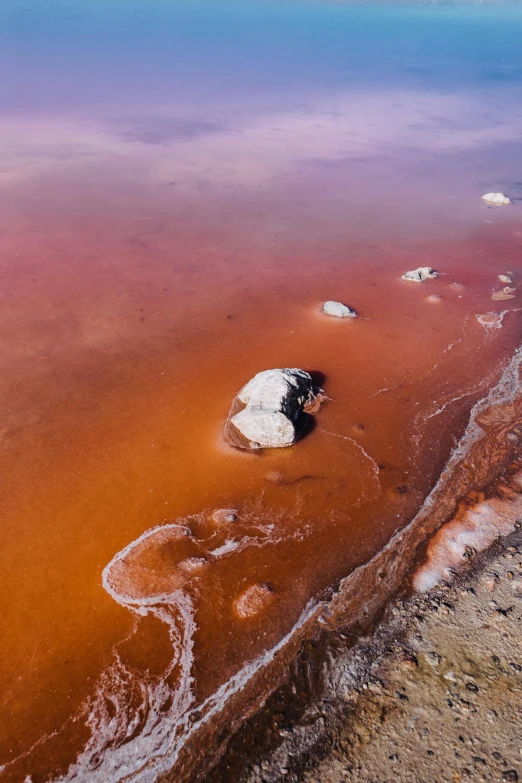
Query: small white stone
(496, 199)
(505, 279)
(338, 310)
(420, 275)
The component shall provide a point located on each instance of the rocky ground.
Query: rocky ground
(434, 695)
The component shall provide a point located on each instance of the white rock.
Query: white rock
(420, 274)
(264, 428)
(268, 412)
(278, 390)
(497, 199)
(505, 279)
(338, 310)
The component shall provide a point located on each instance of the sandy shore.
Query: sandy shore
(435, 694)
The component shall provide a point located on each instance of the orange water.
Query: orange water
(143, 283)
(122, 351)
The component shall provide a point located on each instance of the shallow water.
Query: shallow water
(181, 187)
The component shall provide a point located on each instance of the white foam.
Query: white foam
(110, 756)
(492, 320)
(140, 724)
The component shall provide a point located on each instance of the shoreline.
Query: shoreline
(487, 457)
(489, 444)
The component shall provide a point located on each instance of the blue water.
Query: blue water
(68, 54)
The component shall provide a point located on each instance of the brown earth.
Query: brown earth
(435, 694)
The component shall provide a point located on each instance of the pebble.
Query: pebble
(432, 658)
(516, 586)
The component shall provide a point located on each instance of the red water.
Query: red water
(150, 265)
(130, 320)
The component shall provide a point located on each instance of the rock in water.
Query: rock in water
(269, 411)
(496, 199)
(263, 429)
(338, 310)
(287, 390)
(420, 275)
